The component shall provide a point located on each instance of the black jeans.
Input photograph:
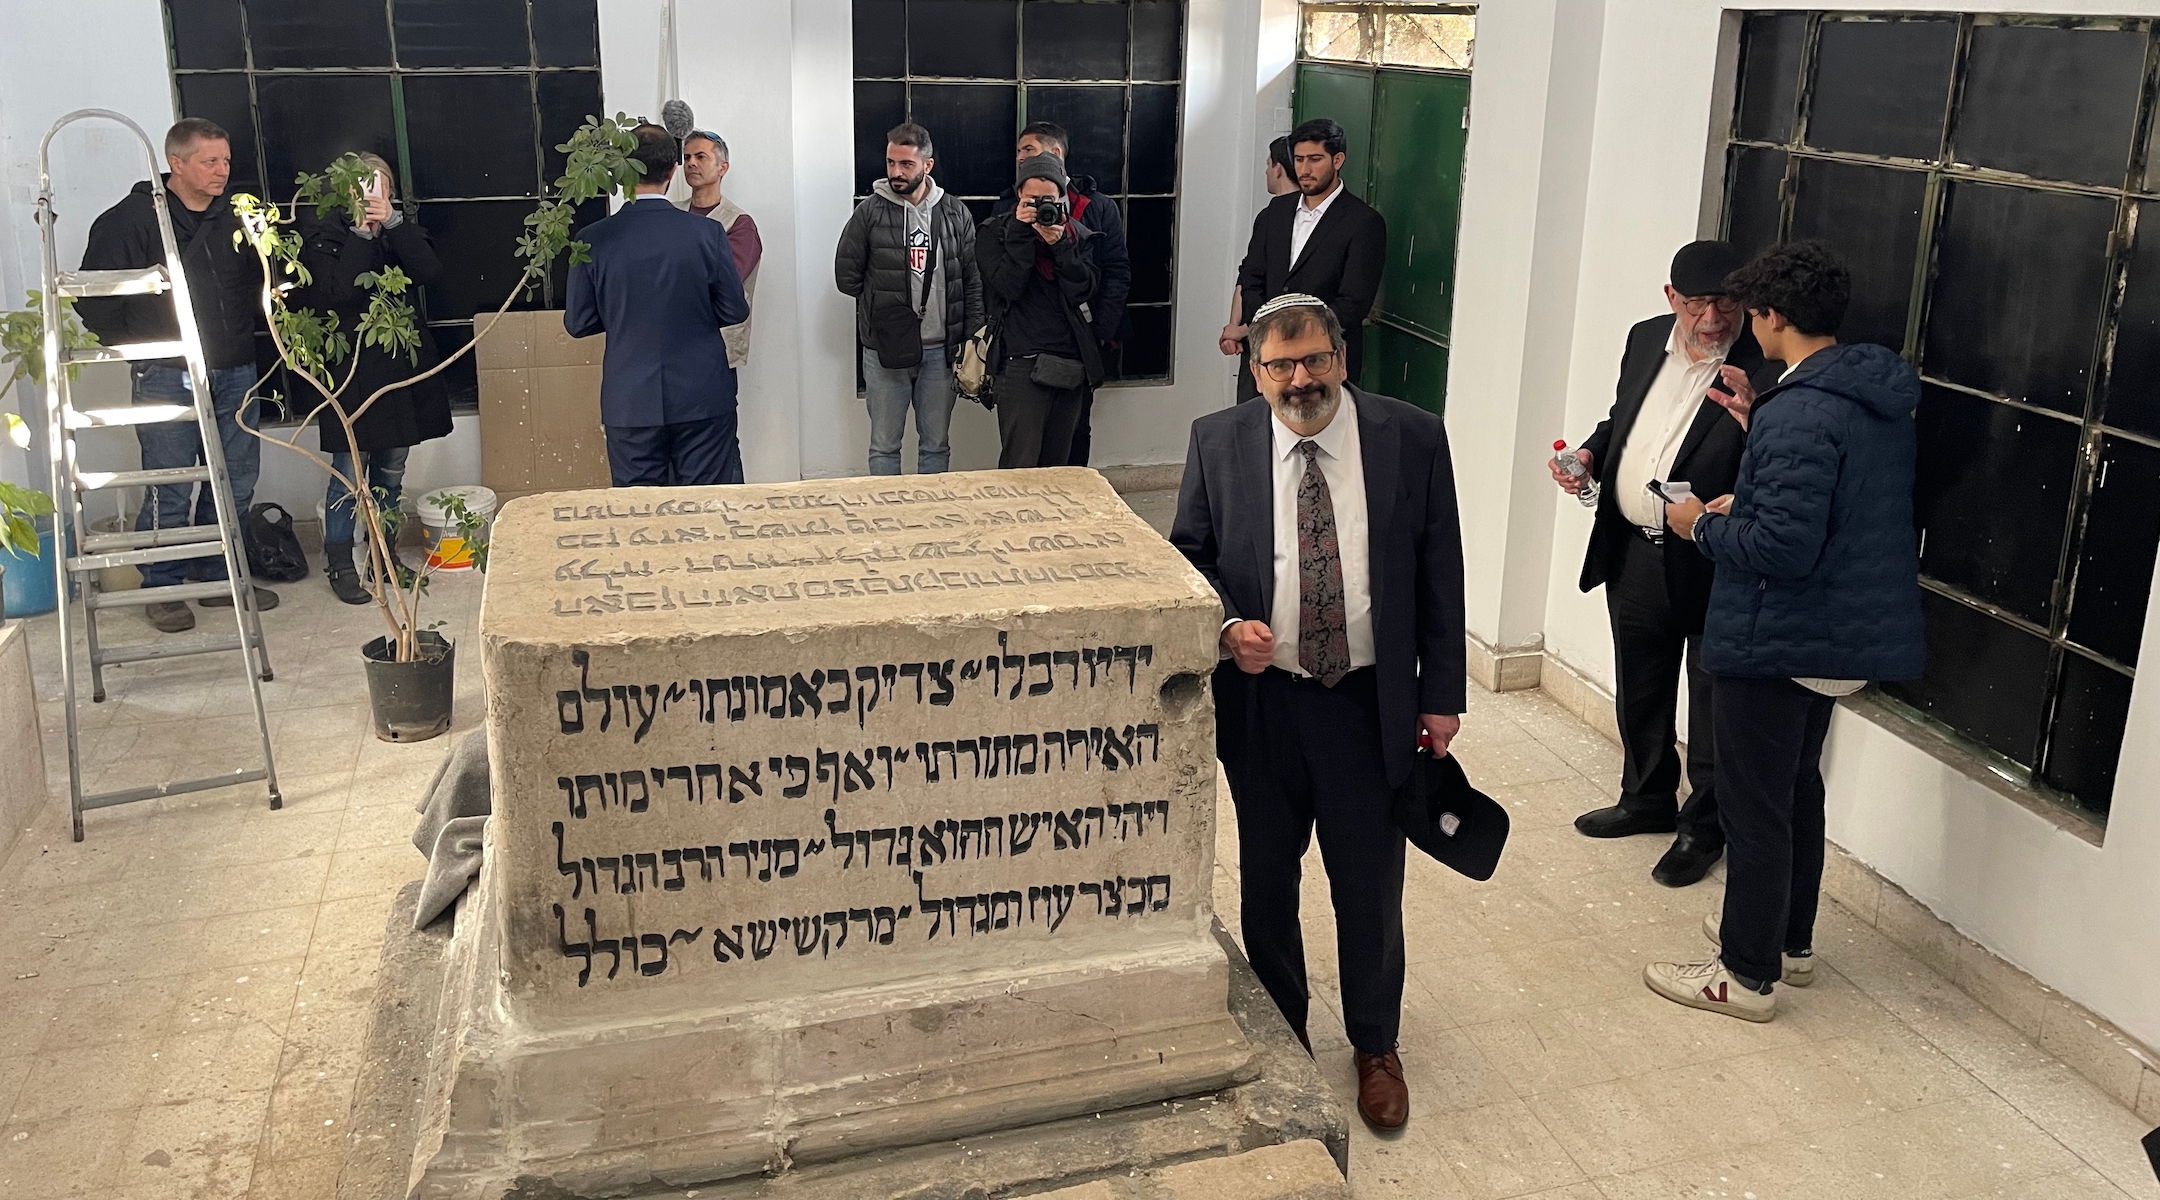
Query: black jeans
(1649, 648)
(1309, 756)
(1035, 423)
(1770, 798)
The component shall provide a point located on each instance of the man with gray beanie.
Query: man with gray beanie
(1666, 425)
(1037, 278)
(907, 256)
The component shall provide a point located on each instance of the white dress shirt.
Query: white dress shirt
(1306, 218)
(1662, 424)
(1343, 467)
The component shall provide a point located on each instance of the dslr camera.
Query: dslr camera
(1049, 210)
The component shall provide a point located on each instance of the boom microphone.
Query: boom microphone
(675, 117)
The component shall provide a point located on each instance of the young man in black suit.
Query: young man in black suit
(1326, 521)
(1666, 424)
(1318, 240)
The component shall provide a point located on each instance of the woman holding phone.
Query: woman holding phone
(337, 253)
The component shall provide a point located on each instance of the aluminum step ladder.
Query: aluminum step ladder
(77, 567)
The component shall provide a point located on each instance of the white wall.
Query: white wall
(2080, 918)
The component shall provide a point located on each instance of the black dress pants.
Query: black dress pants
(1307, 756)
(1649, 648)
(1770, 798)
(684, 454)
(1035, 423)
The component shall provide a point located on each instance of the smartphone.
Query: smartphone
(1670, 493)
(378, 186)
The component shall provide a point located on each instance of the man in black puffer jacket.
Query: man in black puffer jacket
(1817, 592)
(912, 314)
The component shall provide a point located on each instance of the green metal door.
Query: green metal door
(1414, 130)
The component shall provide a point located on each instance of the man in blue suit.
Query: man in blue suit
(661, 284)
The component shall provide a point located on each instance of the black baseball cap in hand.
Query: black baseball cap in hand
(1700, 268)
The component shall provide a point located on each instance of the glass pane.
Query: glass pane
(566, 33)
(1149, 240)
(206, 34)
(2055, 103)
(1154, 143)
(2115, 562)
(1158, 28)
(587, 213)
(2133, 388)
(309, 33)
(965, 39)
(444, 117)
(477, 242)
(1752, 201)
(1439, 40)
(1991, 496)
(1880, 87)
(2090, 714)
(1342, 36)
(1770, 75)
(1148, 357)
(981, 208)
(972, 126)
(566, 99)
(1986, 679)
(2020, 283)
(881, 38)
(1871, 216)
(878, 107)
(1094, 118)
(310, 119)
(462, 377)
(224, 99)
(462, 33)
(1073, 39)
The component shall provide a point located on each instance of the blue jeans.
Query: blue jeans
(385, 478)
(890, 392)
(180, 445)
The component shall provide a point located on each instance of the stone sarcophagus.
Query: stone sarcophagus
(828, 817)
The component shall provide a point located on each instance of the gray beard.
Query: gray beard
(1315, 404)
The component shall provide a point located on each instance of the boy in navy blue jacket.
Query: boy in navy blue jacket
(1817, 592)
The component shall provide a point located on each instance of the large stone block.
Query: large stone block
(829, 817)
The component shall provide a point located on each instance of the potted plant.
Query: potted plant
(411, 667)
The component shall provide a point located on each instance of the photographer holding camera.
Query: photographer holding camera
(1037, 277)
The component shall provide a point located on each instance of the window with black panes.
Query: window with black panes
(1991, 181)
(973, 72)
(467, 99)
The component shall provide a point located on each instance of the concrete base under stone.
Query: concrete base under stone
(1287, 1103)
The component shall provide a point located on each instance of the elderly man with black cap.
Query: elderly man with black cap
(1668, 425)
(1037, 278)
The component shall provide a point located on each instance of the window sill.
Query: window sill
(1946, 749)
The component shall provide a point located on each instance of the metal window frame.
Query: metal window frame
(1019, 80)
(2141, 183)
(396, 74)
(1376, 31)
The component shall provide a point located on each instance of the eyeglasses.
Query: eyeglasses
(1281, 370)
(1698, 305)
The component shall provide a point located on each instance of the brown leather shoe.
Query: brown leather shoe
(1383, 1099)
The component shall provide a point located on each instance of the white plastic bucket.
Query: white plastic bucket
(447, 551)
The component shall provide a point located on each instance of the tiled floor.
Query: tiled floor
(184, 994)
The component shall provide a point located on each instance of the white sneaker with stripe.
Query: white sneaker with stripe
(1799, 969)
(1711, 987)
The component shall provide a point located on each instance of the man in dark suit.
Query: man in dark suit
(662, 284)
(1666, 424)
(1318, 240)
(1326, 521)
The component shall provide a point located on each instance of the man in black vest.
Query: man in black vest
(1318, 240)
(1667, 425)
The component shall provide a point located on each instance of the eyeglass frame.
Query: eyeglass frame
(1696, 306)
(1332, 357)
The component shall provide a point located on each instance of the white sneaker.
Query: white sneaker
(1799, 969)
(1709, 986)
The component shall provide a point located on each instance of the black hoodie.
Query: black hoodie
(224, 281)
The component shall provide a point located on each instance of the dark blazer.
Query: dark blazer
(1341, 264)
(1226, 527)
(1709, 460)
(661, 284)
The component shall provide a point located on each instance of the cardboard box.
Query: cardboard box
(539, 406)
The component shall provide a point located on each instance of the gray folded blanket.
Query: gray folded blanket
(453, 813)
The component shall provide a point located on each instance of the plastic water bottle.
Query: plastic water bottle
(1572, 467)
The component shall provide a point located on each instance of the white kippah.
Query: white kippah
(1288, 300)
